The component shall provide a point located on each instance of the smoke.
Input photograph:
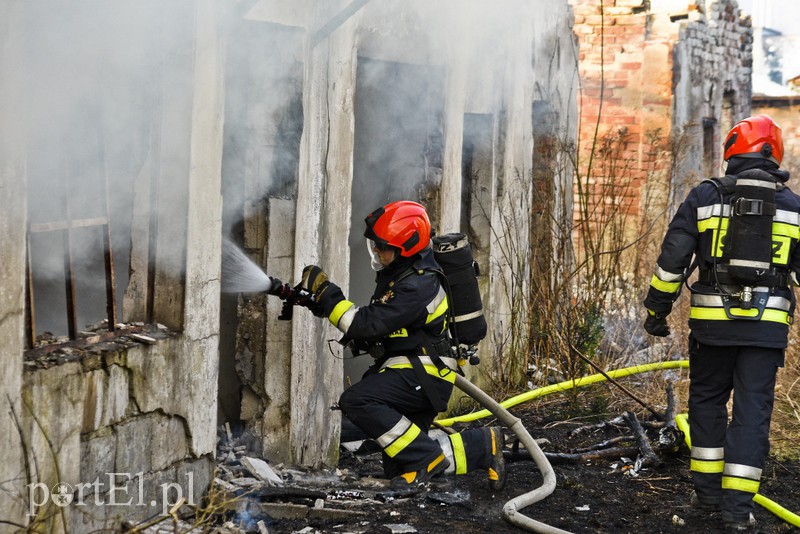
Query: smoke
(109, 86)
(90, 69)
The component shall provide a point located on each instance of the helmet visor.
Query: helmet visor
(375, 259)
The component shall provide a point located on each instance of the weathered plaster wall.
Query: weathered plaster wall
(479, 62)
(105, 411)
(13, 202)
(147, 412)
(322, 220)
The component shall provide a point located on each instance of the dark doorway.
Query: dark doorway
(399, 112)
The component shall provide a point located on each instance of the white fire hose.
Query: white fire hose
(511, 510)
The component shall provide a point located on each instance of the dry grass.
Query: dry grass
(785, 433)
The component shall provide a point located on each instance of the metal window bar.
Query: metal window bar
(65, 228)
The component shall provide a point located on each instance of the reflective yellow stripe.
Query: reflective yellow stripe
(712, 223)
(740, 484)
(403, 441)
(459, 453)
(703, 466)
(666, 287)
(438, 312)
(338, 311)
(787, 230)
(781, 246)
(430, 369)
(718, 314)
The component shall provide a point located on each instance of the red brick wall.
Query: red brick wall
(653, 77)
(627, 82)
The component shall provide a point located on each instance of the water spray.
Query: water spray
(240, 274)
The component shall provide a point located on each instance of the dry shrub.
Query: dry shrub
(785, 432)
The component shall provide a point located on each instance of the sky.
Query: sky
(781, 15)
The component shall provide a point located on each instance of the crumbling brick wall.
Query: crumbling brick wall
(650, 74)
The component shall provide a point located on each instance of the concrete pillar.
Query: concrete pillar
(13, 217)
(277, 377)
(455, 101)
(323, 215)
(203, 227)
(511, 210)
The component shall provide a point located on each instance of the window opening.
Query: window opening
(66, 228)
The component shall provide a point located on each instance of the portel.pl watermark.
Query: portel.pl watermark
(114, 490)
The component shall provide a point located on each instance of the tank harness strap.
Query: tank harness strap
(431, 350)
(777, 278)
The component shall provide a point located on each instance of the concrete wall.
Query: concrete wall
(12, 271)
(146, 412)
(712, 79)
(127, 409)
(486, 57)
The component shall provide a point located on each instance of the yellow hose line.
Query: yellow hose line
(793, 519)
(565, 386)
(681, 419)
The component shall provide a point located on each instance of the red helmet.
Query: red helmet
(755, 137)
(403, 224)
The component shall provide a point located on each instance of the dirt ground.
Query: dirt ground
(602, 496)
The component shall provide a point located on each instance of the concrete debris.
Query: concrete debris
(262, 470)
(458, 497)
(170, 526)
(246, 482)
(301, 511)
(400, 528)
(224, 486)
(353, 446)
(338, 495)
(144, 339)
(262, 528)
(391, 495)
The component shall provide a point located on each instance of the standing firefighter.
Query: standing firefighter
(742, 230)
(405, 329)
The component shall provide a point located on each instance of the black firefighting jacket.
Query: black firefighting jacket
(407, 314)
(699, 224)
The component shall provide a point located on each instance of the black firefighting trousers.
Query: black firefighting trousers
(727, 459)
(391, 408)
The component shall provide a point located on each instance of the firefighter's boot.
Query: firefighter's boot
(706, 504)
(415, 478)
(497, 465)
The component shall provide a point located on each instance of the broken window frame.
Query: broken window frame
(66, 227)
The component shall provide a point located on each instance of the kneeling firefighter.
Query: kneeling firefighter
(405, 330)
(742, 230)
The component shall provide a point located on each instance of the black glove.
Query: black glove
(303, 297)
(315, 281)
(656, 325)
(278, 288)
